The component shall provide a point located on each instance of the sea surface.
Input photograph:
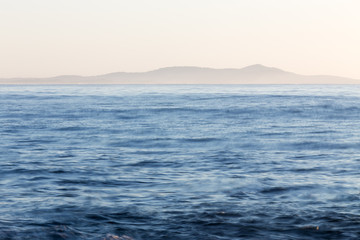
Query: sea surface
(180, 162)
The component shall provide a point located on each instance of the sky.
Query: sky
(44, 38)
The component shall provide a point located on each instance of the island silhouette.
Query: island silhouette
(253, 74)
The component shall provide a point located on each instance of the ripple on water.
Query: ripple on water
(179, 162)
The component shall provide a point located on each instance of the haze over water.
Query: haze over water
(180, 162)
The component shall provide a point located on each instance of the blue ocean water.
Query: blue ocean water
(180, 162)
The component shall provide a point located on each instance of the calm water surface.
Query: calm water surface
(179, 162)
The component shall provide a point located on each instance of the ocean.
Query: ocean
(179, 162)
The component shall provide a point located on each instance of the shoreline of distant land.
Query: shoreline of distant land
(253, 74)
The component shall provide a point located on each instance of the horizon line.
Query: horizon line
(178, 66)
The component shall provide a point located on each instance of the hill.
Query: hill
(254, 74)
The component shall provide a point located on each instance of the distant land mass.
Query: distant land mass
(254, 74)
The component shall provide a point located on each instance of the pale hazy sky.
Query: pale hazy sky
(40, 38)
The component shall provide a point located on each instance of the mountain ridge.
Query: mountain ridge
(253, 74)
